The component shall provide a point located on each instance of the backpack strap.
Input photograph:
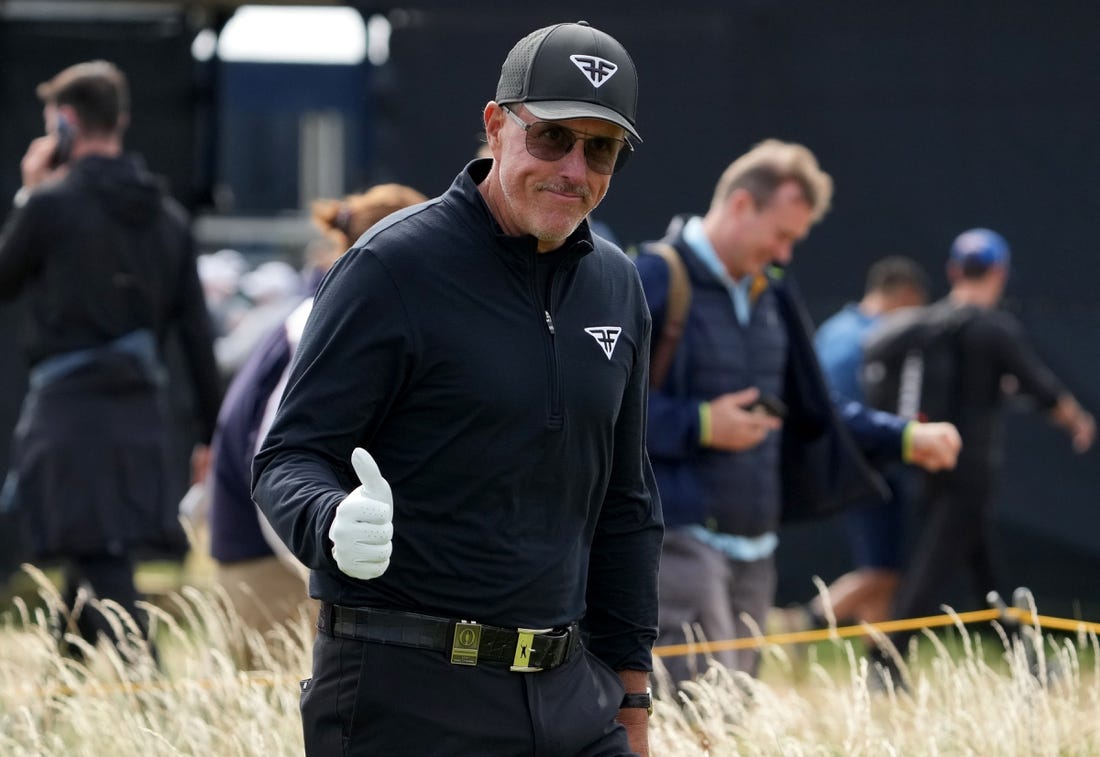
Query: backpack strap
(676, 310)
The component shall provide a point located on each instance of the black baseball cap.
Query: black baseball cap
(571, 71)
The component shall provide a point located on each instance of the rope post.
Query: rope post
(1031, 636)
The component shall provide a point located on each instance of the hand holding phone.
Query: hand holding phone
(739, 421)
(770, 405)
(64, 147)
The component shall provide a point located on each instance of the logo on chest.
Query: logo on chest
(606, 336)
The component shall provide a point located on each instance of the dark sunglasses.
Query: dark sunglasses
(550, 141)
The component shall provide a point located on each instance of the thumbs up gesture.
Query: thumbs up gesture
(362, 531)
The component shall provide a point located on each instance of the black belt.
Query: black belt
(525, 650)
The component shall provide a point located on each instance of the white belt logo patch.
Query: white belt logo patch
(597, 70)
(606, 336)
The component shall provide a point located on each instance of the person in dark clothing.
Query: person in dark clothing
(728, 476)
(106, 262)
(482, 359)
(865, 593)
(261, 578)
(956, 524)
(13, 385)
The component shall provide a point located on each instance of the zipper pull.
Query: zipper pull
(549, 321)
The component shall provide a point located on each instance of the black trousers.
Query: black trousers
(106, 577)
(955, 539)
(367, 698)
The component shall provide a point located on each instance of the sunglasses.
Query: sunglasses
(550, 141)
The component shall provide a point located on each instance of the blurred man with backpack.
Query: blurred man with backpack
(743, 432)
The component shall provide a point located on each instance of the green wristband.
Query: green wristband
(704, 424)
(907, 441)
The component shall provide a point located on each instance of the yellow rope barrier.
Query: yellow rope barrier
(801, 637)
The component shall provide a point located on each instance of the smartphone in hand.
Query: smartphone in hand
(64, 147)
(771, 405)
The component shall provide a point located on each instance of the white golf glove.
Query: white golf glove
(362, 531)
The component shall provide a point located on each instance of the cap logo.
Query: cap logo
(596, 70)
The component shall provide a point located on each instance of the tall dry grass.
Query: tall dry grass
(958, 702)
(199, 700)
(205, 699)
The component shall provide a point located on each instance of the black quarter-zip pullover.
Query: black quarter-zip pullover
(510, 423)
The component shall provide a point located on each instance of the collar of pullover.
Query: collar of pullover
(521, 248)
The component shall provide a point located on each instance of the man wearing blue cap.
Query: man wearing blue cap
(986, 344)
(459, 456)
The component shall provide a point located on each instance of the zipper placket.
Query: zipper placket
(554, 411)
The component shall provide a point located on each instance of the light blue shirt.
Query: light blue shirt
(696, 238)
(839, 345)
(741, 548)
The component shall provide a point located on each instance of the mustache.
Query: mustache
(564, 188)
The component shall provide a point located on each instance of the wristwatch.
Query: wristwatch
(639, 701)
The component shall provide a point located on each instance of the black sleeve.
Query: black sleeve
(19, 256)
(197, 341)
(1018, 358)
(621, 619)
(341, 384)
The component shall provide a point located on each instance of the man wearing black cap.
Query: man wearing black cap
(474, 373)
(984, 345)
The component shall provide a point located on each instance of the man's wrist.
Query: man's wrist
(21, 197)
(641, 701)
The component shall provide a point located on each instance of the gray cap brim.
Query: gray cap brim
(560, 110)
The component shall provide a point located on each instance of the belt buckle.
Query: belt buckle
(525, 638)
(467, 638)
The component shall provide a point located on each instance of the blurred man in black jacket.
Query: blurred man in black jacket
(106, 262)
(961, 378)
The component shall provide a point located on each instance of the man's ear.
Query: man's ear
(494, 122)
(953, 272)
(740, 201)
(68, 113)
(1000, 274)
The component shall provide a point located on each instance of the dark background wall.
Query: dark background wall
(932, 117)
